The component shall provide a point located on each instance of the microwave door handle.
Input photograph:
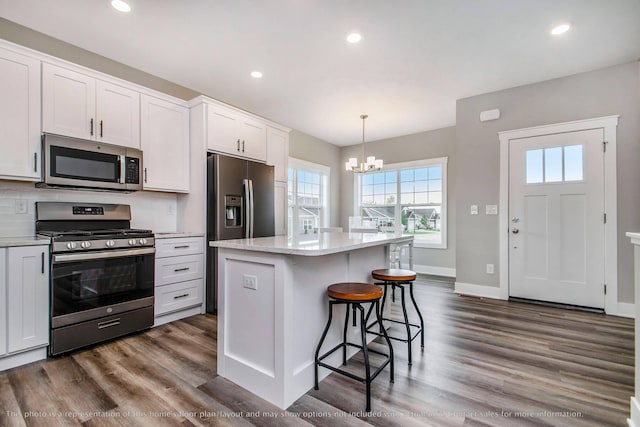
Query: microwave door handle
(123, 167)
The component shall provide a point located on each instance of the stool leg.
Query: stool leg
(324, 335)
(387, 339)
(365, 352)
(419, 315)
(344, 333)
(384, 299)
(393, 294)
(406, 320)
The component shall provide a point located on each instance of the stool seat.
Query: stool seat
(354, 291)
(394, 275)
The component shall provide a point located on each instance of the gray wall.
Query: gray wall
(27, 37)
(312, 149)
(424, 145)
(604, 92)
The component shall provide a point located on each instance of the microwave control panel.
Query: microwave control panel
(133, 170)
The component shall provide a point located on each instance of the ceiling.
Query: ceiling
(415, 59)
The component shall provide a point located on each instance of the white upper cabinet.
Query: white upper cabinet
(80, 106)
(232, 132)
(278, 152)
(165, 145)
(19, 116)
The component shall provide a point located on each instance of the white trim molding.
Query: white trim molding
(626, 309)
(481, 291)
(609, 126)
(434, 270)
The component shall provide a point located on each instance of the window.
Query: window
(554, 164)
(407, 197)
(308, 197)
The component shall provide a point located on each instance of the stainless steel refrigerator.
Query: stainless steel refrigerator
(240, 205)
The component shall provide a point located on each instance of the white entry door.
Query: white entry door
(556, 218)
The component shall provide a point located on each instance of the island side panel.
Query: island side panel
(250, 333)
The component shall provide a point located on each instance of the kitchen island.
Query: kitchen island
(272, 305)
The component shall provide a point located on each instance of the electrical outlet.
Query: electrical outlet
(474, 210)
(250, 282)
(489, 268)
(491, 210)
(21, 206)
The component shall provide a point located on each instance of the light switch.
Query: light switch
(474, 209)
(491, 209)
(250, 282)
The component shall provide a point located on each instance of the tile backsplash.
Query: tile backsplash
(152, 210)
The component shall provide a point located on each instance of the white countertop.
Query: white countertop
(317, 245)
(174, 234)
(635, 238)
(6, 242)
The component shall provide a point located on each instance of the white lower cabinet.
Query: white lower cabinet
(179, 278)
(24, 297)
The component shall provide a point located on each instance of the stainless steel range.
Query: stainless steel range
(102, 273)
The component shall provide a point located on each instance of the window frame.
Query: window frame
(436, 161)
(323, 208)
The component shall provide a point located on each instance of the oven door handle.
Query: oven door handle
(101, 255)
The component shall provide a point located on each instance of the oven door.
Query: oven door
(91, 285)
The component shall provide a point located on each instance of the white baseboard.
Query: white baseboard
(634, 421)
(434, 270)
(23, 358)
(626, 309)
(477, 290)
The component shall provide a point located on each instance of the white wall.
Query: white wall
(150, 210)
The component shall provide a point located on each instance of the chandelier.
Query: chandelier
(370, 165)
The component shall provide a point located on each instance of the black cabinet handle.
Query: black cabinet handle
(238, 141)
(101, 128)
(181, 296)
(42, 263)
(181, 247)
(180, 269)
(145, 175)
(243, 145)
(91, 127)
(35, 162)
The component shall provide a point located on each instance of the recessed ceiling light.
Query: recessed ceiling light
(354, 38)
(256, 74)
(560, 29)
(121, 5)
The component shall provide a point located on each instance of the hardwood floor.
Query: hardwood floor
(485, 363)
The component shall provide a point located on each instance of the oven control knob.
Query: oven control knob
(71, 245)
(132, 242)
(110, 243)
(85, 244)
(143, 241)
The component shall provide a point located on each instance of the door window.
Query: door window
(554, 164)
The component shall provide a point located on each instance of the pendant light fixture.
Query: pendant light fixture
(371, 164)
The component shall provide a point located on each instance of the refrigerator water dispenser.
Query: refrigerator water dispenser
(233, 211)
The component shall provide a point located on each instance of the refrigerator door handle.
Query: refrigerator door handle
(247, 208)
(252, 208)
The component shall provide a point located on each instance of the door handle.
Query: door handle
(515, 231)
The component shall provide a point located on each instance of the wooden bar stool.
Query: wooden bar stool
(354, 295)
(398, 278)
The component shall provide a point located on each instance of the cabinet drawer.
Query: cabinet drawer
(178, 296)
(179, 246)
(178, 269)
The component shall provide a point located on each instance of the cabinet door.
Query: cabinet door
(281, 208)
(165, 145)
(27, 297)
(19, 116)
(253, 138)
(118, 115)
(68, 102)
(3, 300)
(222, 130)
(278, 152)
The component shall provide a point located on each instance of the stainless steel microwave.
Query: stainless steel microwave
(77, 163)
